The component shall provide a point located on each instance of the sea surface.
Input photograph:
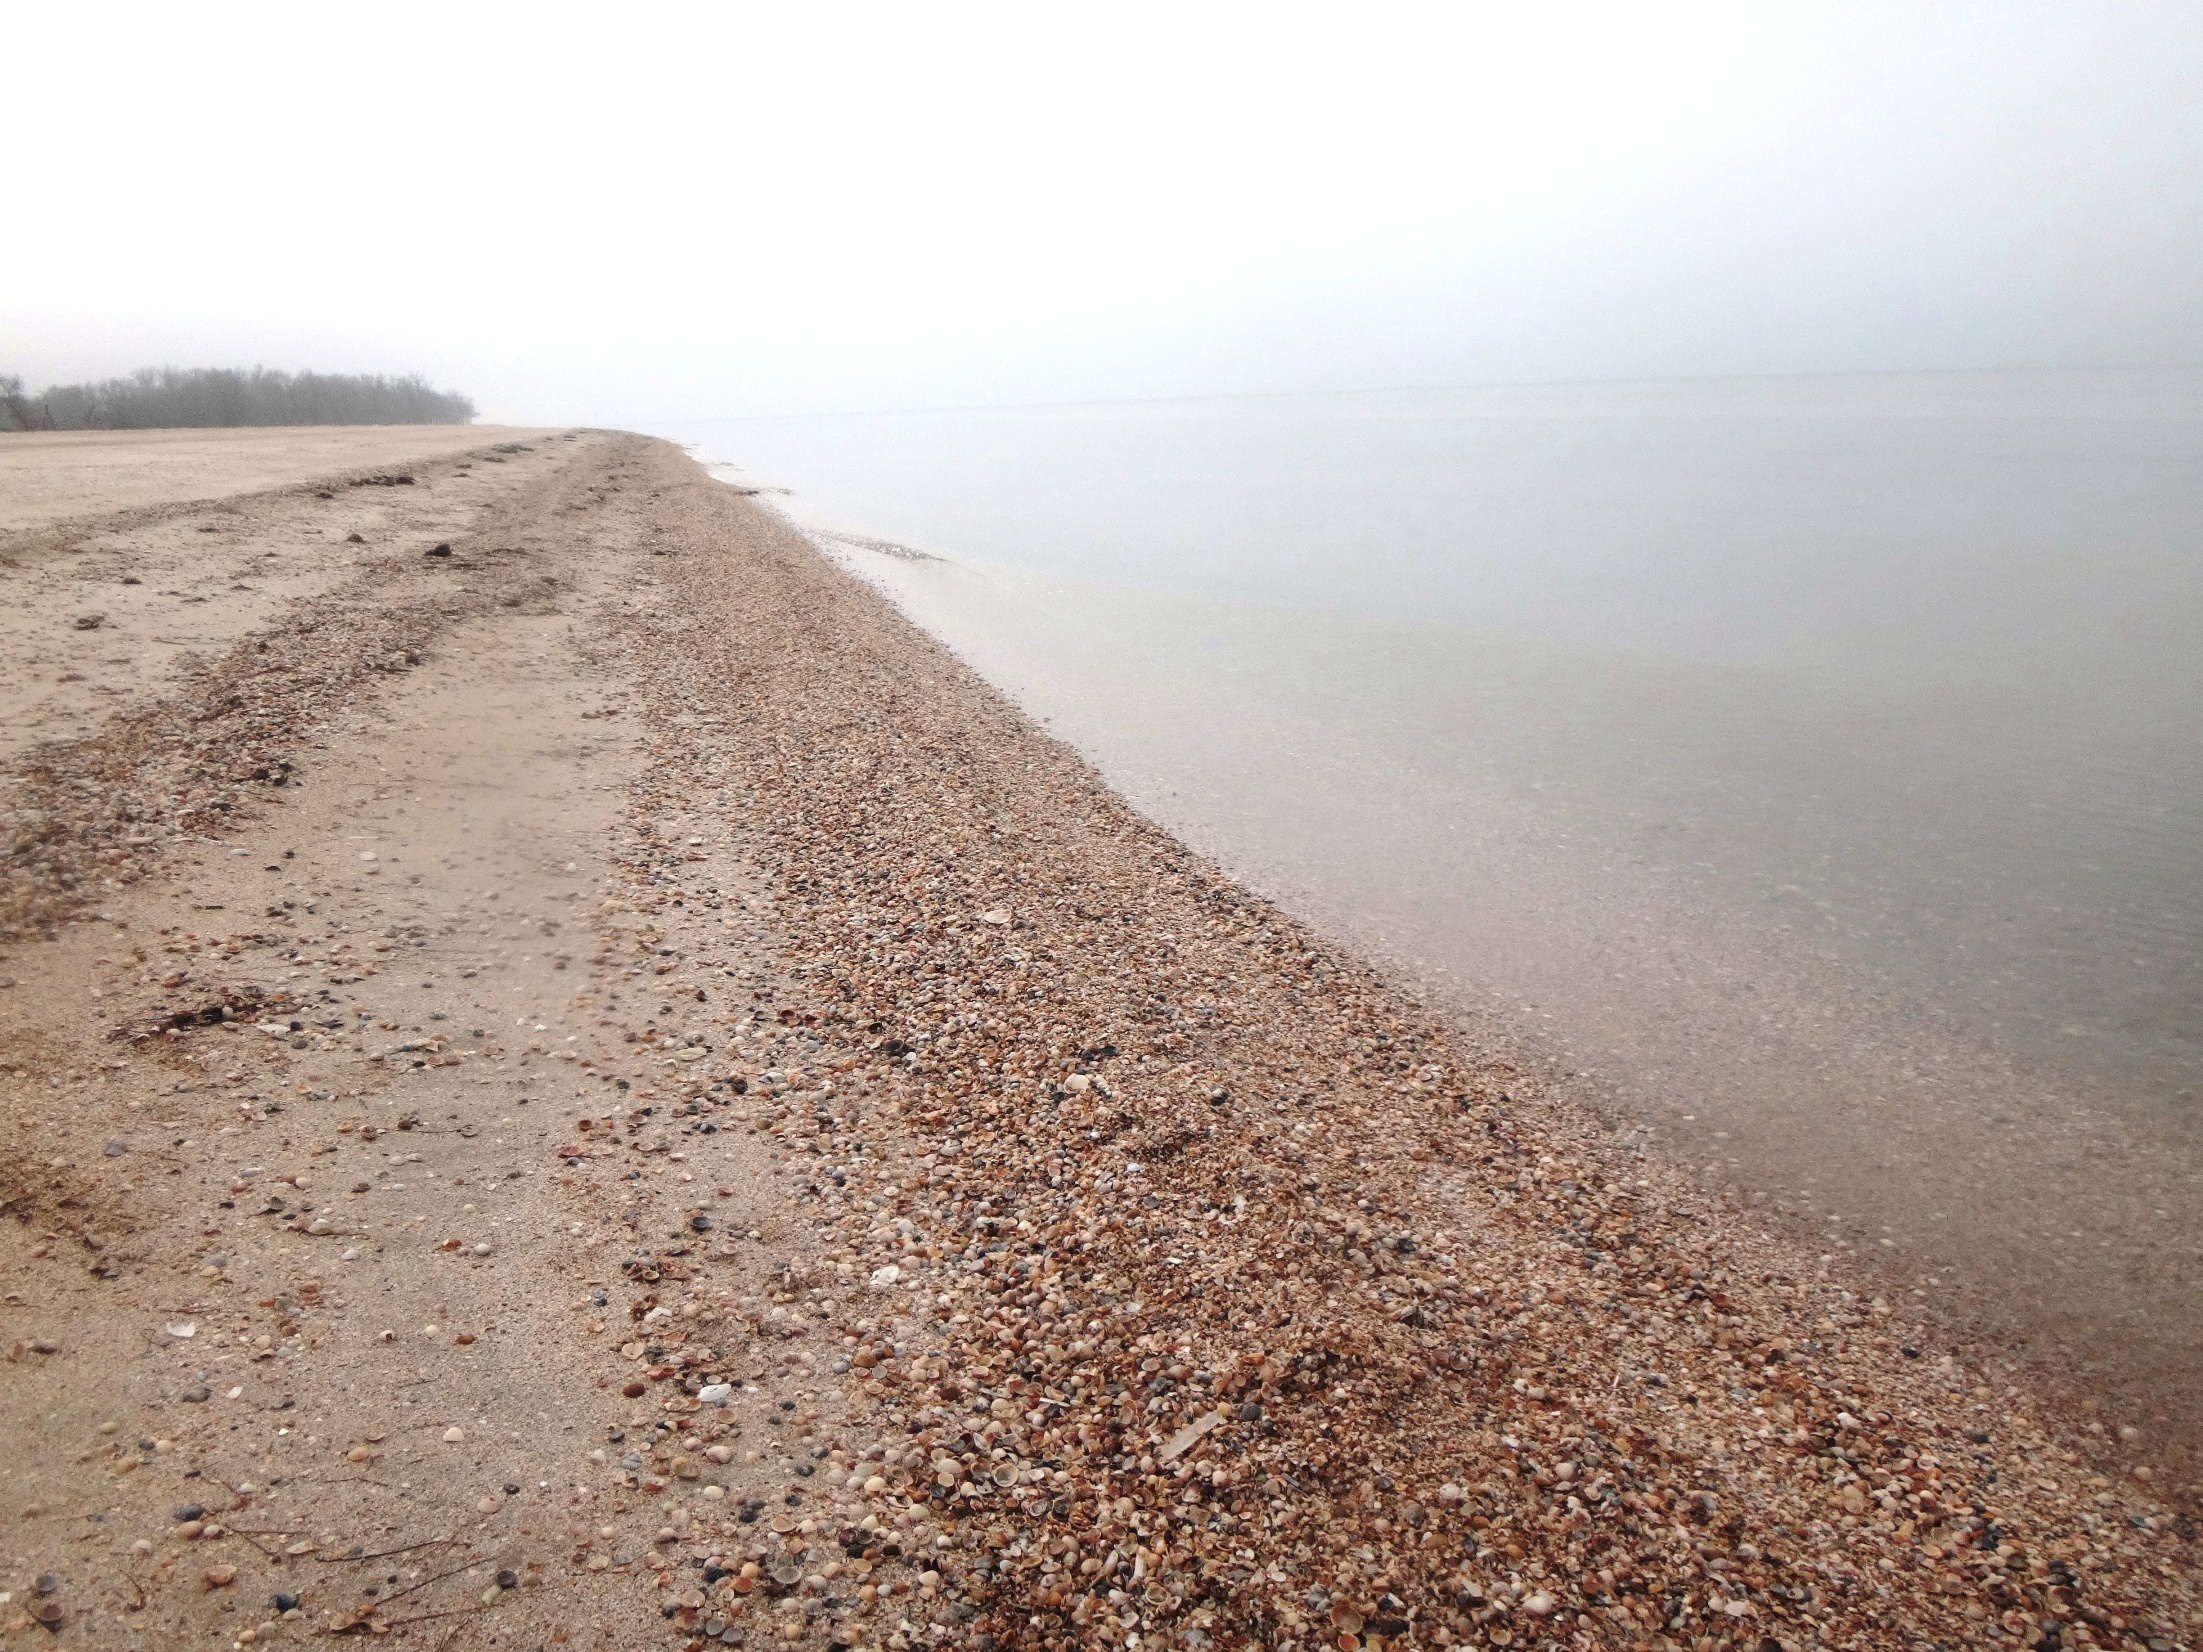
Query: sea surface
(1809, 772)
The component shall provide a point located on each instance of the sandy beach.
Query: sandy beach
(574, 1079)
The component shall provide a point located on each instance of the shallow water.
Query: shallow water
(1815, 767)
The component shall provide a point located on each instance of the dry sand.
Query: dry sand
(50, 476)
(465, 1008)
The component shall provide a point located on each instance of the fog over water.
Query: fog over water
(1813, 766)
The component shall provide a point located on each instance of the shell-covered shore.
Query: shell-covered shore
(1263, 1310)
(577, 1078)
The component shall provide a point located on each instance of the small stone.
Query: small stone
(452, 1436)
(198, 1394)
(219, 1577)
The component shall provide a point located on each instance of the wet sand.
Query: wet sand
(748, 1004)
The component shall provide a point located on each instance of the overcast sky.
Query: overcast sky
(645, 212)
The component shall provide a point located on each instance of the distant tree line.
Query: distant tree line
(173, 398)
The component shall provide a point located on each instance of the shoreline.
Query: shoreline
(1429, 1118)
(2034, 1211)
(1221, 1274)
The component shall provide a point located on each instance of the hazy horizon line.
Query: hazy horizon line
(1027, 406)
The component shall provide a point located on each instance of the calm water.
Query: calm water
(1814, 767)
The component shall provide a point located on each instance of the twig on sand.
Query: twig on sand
(422, 1617)
(384, 1554)
(415, 1588)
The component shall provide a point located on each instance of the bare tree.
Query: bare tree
(168, 398)
(15, 412)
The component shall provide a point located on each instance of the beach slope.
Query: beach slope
(600, 1083)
